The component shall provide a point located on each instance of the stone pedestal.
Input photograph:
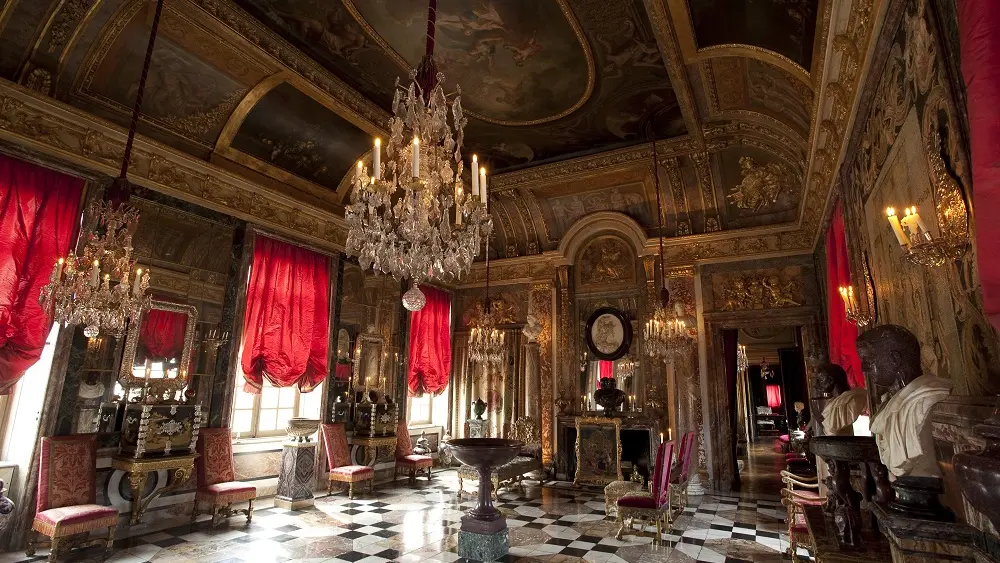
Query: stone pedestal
(478, 428)
(297, 477)
(916, 540)
(483, 540)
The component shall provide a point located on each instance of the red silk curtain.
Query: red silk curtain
(773, 395)
(979, 38)
(843, 334)
(162, 334)
(606, 369)
(39, 215)
(430, 344)
(286, 331)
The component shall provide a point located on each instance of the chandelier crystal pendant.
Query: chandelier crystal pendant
(410, 216)
(486, 340)
(97, 288)
(666, 332)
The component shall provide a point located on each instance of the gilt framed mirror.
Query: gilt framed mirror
(368, 353)
(158, 349)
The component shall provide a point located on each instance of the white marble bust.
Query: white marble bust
(841, 411)
(890, 357)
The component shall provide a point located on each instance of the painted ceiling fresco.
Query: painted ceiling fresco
(539, 67)
(786, 27)
(296, 133)
(739, 83)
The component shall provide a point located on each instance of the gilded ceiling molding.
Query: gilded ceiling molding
(59, 132)
(835, 104)
(587, 166)
(706, 183)
(5, 11)
(602, 222)
(585, 48)
(675, 186)
(242, 109)
(666, 38)
(681, 16)
(62, 29)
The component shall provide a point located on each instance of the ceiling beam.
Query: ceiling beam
(666, 39)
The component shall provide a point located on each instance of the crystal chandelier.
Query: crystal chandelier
(665, 333)
(97, 288)
(486, 341)
(410, 216)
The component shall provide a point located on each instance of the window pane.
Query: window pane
(244, 400)
(243, 421)
(269, 397)
(268, 420)
(283, 416)
(286, 398)
(309, 403)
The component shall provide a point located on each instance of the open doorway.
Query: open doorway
(768, 390)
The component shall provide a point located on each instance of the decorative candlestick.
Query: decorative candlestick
(377, 158)
(475, 177)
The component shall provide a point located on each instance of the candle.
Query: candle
(59, 268)
(475, 176)
(482, 188)
(416, 157)
(359, 170)
(670, 433)
(458, 206)
(661, 436)
(137, 288)
(377, 158)
(95, 279)
(897, 229)
(920, 223)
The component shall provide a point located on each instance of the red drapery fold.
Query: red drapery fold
(430, 344)
(773, 395)
(39, 215)
(286, 328)
(162, 334)
(979, 38)
(843, 334)
(606, 369)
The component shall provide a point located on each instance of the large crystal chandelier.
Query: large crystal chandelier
(666, 332)
(98, 288)
(410, 216)
(486, 341)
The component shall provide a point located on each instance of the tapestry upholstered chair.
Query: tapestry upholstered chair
(798, 493)
(529, 460)
(653, 508)
(217, 484)
(65, 510)
(406, 459)
(338, 456)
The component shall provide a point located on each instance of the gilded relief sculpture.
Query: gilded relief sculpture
(762, 184)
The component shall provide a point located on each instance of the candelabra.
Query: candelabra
(742, 362)
(851, 309)
(923, 248)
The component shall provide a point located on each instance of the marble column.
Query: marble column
(297, 477)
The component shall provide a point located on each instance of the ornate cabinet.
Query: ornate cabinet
(156, 430)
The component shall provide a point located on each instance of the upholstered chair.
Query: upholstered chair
(67, 496)
(680, 474)
(799, 492)
(406, 459)
(338, 457)
(217, 484)
(652, 508)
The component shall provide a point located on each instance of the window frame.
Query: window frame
(256, 409)
(430, 411)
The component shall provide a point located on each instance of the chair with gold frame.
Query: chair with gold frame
(217, 484)
(653, 508)
(798, 493)
(339, 458)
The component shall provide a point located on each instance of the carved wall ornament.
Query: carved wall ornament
(758, 291)
(65, 23)
(762, 184)
(606, 261)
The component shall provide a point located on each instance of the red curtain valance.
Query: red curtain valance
(39, 215)
(162, 334)
(843, 334)
(430, 344)
(979, 40)
(286, 329)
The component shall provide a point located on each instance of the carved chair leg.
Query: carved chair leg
(429, 475)
(329, 487)
(29, 550)
(250, 511)
(793, 548)
(194, 512)
(621, 527)
(350, 491)
(659, 532)
(371, 486)
(54, 549)
(110, 542)
(413, 476)
(461, 489)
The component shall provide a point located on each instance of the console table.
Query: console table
(371, 446)
(138, 470)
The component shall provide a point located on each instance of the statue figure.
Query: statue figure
(845, 404)
(890, 357)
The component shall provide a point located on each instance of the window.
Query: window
(420, 409)
(266, 414)
(428, 409)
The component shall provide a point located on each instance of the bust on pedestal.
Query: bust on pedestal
(890, 358)
(845, 404)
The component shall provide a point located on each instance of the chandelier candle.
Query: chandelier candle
(377, 159)
(475, 177)
(897, 228)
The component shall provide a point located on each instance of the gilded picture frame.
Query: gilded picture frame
(126, 376)
(598, 450)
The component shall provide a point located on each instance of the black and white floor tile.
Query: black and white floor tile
(421, 523)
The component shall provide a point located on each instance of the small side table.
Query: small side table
(372, 444)
(616, 490)
(138, 470)
(297, 477)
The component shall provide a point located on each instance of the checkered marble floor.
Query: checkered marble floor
(554, 524)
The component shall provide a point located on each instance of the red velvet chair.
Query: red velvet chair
(656, 507)
(406, 459)
(67, 493)
(338, 456)
(217, 484)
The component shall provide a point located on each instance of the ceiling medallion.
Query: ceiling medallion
(400, 220)
(80, 289)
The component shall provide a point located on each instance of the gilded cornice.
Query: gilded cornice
(57, 131)
(666, 38)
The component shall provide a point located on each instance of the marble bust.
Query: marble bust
(890, 358)
(845, 405)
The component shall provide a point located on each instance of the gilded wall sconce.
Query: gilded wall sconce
(854, 313)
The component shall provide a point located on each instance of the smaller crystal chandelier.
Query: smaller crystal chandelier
(486, 341)
(98, 288)
(766, 373)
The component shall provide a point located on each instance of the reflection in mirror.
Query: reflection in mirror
(624, 371)
(97, 382)
(157, 359)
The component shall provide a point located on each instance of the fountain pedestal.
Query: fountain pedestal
(483, 535)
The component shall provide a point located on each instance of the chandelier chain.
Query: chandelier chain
(140, 89)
